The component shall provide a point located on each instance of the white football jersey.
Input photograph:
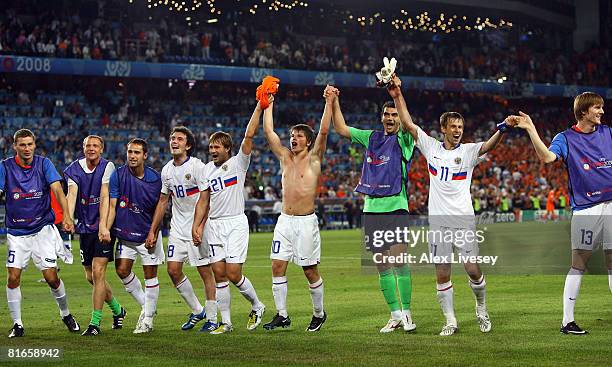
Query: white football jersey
(450, 178)
(226, 184)
(181, 182)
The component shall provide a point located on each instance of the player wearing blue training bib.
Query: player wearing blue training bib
(28, 181)
(88, 179)
(134, 193)
(586, 151)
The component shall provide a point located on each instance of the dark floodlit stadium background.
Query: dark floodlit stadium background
(564, 43)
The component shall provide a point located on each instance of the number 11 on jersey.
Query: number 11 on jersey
(443, 173)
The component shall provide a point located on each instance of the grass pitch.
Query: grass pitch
(525, 309)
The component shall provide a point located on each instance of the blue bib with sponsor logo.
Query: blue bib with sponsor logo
(381, 174)
(136, 204)
(28, 198)
(589, 166)
(88, 198)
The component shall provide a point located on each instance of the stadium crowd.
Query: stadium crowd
(487, 54)
(509, 177)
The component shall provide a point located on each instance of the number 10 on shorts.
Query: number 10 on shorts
(275, 247)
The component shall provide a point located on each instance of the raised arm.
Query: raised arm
(395, 91)
(321, 141)
(273, 140)
(490, 144)
(337, 117)
(251, 130)
(524, 122)
(67, 223)
(160, 209)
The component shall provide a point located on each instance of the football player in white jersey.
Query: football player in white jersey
(451, 214)
(180, 181)
(227, 229)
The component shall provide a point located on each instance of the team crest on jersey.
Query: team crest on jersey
(188, 176)
(458, 160)
(224, 167)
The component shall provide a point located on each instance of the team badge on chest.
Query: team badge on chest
(458, 160)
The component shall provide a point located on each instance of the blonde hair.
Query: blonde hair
(94, 137)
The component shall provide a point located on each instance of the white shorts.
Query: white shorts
(41, 246)
(228, 239)
(297, 239)
(184, 250)
(444, 240)
(130, 250)
(592, 227)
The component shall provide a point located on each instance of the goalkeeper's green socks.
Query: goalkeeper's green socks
(96, 317)
(114, 305)
(404, 285)
(388, 287)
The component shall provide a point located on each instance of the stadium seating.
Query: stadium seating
(61, 119)
(49, 34)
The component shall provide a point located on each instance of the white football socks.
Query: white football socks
(224, 302)
(185, 289)
(134, 288)
(13, 296)
(248, 291)
(151, 296)
(279, 291)
(445, 294)
(211, 311)
(570, 294)
(479, 289)
(61, 299)
(316, 294)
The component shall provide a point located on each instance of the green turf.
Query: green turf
(525, 311)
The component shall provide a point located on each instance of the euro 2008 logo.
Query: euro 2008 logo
(16, 196)
(122, 204)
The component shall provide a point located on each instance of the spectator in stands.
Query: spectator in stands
(349, 210)
(480, 56)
